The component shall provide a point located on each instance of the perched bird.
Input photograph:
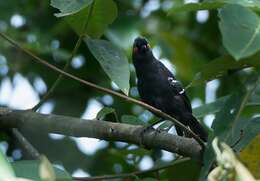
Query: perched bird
(158, 87)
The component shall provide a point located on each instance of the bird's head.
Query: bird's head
(141, 48)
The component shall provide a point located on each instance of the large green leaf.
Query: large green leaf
(220, 66)
(183, 171)
(213, 4)
(30, 169)
(250, 129)
(6, 171)
(113, 61)
(216, 106)
(69, 7)
(103, 14)
(227, 119)
(240, 29)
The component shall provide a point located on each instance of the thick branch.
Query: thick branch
(99, 129)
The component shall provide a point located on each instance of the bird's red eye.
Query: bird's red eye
(135, 49)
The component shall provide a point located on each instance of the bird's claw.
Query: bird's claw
(145, 130)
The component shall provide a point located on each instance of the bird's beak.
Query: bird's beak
(144, 48)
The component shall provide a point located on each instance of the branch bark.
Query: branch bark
(109, 131)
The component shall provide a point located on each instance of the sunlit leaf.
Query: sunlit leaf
(46, 171)
(229, 167)
(30, 169)
(240, 29)
(69, 7)
(251, 157)
(113, 61)
(103, 14)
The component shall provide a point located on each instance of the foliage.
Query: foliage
(224, 46)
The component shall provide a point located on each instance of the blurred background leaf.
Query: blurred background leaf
(240, 29)
(68, 7)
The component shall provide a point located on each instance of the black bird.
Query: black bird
(158, 87)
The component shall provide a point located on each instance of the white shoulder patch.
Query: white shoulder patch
(172, 80)
(182, 91)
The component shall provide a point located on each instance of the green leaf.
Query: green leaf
(250, 129)
(220, 66)
(103, 14)
(179, 170)
(210, 108)
(240, 29)
(227, 119)
(6, 170)
(113, 61)
(69, 7)
(104, 111)
(213, 4)
(130, 119)
(30, 169)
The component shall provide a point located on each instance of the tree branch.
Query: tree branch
(110, 131)
(102, 89)
(132, 174)
(26, 145)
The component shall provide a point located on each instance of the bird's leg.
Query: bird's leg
(179, 130)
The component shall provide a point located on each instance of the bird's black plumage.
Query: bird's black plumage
(158, 87)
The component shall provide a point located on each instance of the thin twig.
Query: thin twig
(102, 89)
(59, 79)
(132, 174)
(26, 145)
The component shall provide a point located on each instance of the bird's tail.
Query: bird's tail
(198, 129)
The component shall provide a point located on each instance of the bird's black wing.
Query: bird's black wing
(176, 86)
